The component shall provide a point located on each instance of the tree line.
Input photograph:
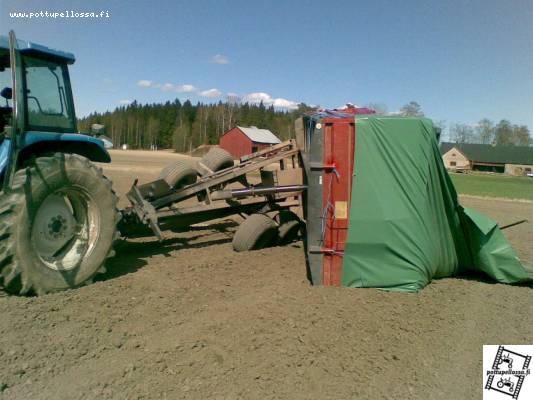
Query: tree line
(184, 126)
(503, 133)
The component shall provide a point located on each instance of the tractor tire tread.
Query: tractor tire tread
(15, 280)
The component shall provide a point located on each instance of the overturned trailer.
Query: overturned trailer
(369, 194)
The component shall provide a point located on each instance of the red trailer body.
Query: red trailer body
(339, 146)
(329, 140)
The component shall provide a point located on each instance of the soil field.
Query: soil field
(191, 319)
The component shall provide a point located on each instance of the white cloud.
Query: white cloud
(125, 102)
(107, 81)
(284, 103)
(220, 59)
(253, 98)
(167, 87)
(145, 83)
(185, 88)
(258, 97)
(211, 93)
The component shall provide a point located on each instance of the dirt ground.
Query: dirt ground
(191, 319)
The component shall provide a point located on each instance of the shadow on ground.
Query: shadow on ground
(132, 255)
(478, 276)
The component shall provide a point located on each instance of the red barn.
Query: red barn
(240, 141)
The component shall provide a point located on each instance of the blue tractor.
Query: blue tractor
(58, 212)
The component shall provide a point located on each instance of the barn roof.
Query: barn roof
(492, 154)
(259, 135)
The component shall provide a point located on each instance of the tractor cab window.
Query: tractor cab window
(48, 107)
(5, 77)
(5, 94)
(5, 85)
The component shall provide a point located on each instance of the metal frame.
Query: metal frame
(156, 206)
(18, 113)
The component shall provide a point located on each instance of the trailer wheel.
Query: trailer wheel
(217, 159)
(255, 232)
(57, 225)
(178, 174)
(289, 227)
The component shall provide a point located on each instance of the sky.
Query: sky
(460, 60)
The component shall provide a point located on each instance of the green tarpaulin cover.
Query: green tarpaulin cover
(406, 224)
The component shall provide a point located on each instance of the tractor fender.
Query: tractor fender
(40, 143)
(84, 145)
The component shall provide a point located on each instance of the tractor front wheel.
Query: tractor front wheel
(57, 225)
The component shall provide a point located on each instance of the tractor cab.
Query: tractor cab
(37, 107)
(44, 86)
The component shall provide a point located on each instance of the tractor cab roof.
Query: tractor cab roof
(38, 50)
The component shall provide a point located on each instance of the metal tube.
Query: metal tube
(256, 191)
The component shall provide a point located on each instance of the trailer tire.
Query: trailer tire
(217, 159)
(57, 225)
(179, 174)
(255, 232)
(289, 227)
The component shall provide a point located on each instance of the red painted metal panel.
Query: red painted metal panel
(236, 143)
(339, 145)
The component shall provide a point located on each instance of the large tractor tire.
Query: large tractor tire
(255, 232)
(179, 174)
(57, 225)
(217, 159)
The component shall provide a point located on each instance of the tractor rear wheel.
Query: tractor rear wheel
(255, 232)
(57, 225)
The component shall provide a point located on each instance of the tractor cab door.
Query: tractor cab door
(15, 134)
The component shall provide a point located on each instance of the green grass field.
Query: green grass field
(494, 185)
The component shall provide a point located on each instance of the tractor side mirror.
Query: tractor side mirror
(6, 93)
